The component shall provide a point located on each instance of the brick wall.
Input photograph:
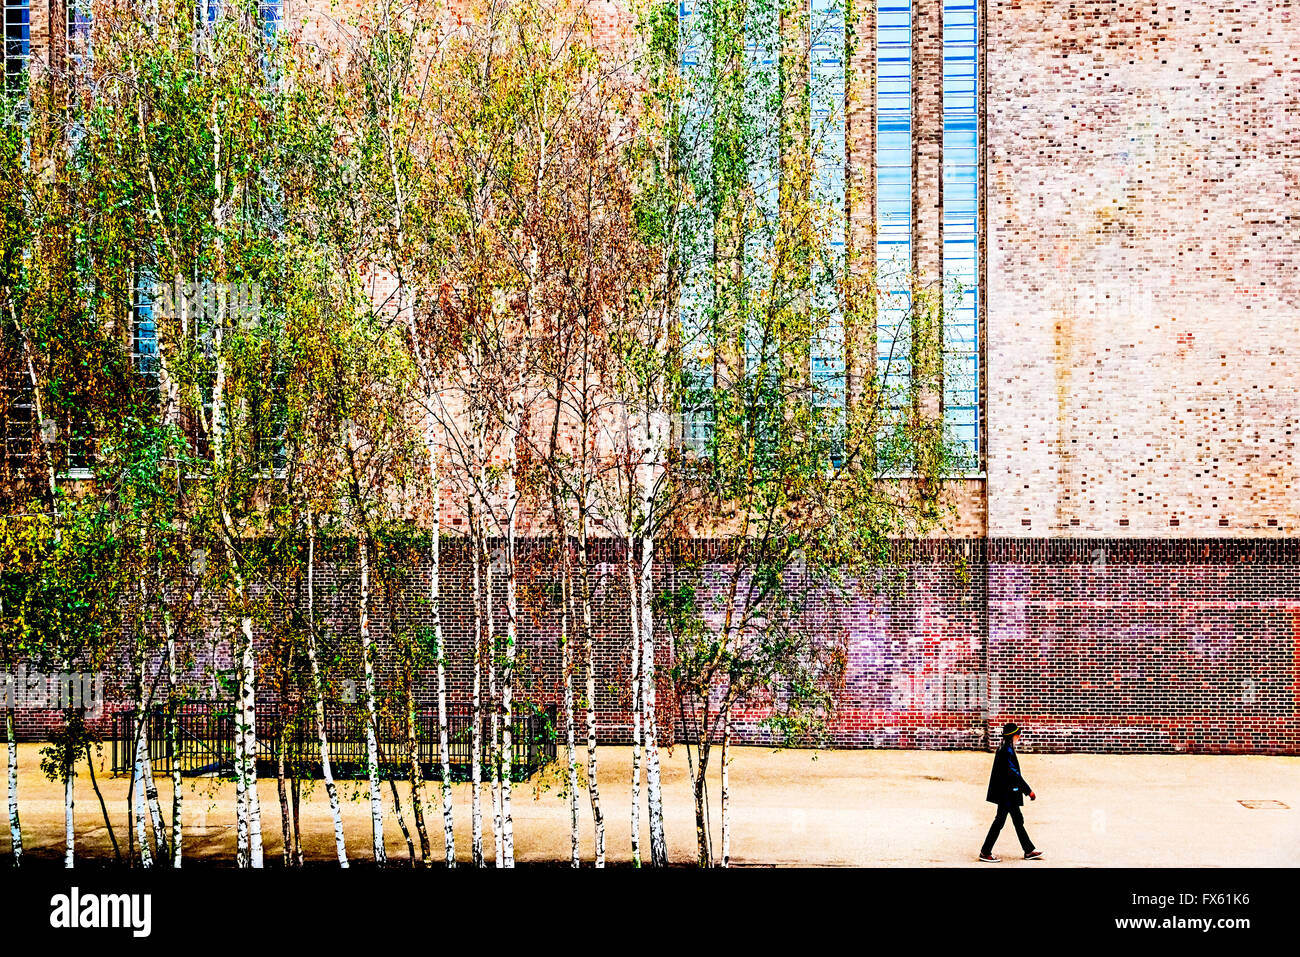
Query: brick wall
(1122, 645)
(1143, 165)
(1110, 645)
(1130, 571)
(1116, 645)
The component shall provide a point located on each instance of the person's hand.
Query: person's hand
(1032, 796)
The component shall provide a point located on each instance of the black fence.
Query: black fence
(206, 732)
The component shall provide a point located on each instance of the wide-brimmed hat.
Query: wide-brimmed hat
(1010, 728)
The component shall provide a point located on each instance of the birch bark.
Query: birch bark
(11, 745)
(726, 791)
(512, 631)
(174, 736)
(150, 787)
(570, 731)
(318, 699)
(635, 682)
(155, 809)
(69, 832)
(654, 789)
(137, 793)
(476, 704)
(372, 712)
(248, 732)
(435, 600)
(494, 750)
(286, 825)
(137, 769)
(584, 573)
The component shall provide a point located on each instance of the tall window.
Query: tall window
(144, 329)
(696, 412)
(894, 192)
(270, 11)
(17, 41)
(960, 230)
(17, 410)
(826, 95)
(763, 92)
(79, 27)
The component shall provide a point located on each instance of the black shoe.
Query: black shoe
(990, 858)
(1034, 856)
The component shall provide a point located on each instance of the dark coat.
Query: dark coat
(1006, 786)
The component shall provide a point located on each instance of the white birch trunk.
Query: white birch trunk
(174, 735)
(593, 785)
(241, 793)
(726, 792)
(151, 788)
(476, 709)
(318, 696)
(635, 684)
(69, 831)
(11, 747)
(494, 752)
(282, 792)
(512, 505)
(155, 810)
(248, 812)
(138, 811)
(248, 807)
(248, 729)
(570, 730)
(512, 637)
(435, 600)
(137, 792)
(654, 791)
(372, 718)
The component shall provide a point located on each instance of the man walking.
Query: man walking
(1007, 789)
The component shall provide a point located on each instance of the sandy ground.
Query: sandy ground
(820, 808)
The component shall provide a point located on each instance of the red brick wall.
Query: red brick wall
(1123, 645)
(1115, 645)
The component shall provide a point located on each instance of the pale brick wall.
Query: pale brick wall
(1144, 166)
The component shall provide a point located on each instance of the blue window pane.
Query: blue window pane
(144, 331)
(826, 100)
(894, 194)
(17, 40)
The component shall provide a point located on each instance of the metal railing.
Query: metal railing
(206, 732)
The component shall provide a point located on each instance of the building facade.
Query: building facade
(1113, 187)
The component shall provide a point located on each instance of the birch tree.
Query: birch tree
(800, 477)
(14, 238)
(190, 132)
(387, 128)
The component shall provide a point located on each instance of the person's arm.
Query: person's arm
(1019, 779)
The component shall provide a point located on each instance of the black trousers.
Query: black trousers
(1017, 819)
